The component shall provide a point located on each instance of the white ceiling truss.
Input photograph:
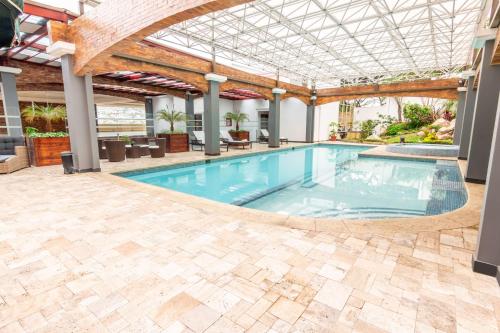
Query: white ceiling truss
(334, 42)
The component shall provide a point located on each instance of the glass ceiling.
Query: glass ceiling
(335, 42)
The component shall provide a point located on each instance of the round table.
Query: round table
(133, 151)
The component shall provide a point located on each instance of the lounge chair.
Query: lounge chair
(143, 143)
(264, 137)
(227, 138)
(199, 141)
(13, 154)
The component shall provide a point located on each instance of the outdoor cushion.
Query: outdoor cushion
(8, 144)
(4, 158)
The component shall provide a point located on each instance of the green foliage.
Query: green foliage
(32, 132)
(409, 138)
(367, 128)
(386, 119)
(333, 128)
(126, 139)
(395, 129)
(171, 117)
(238, 117)
(48, 112)
(417, 115)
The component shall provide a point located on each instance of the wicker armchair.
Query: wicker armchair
(159, 150)
(115, 150)
(14, 154)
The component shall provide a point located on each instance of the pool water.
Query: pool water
(320, 181)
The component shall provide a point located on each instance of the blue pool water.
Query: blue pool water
(320, 181)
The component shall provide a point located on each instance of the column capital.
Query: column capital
(279, 91)
(215, 77)
(61, 48)
(467, 74)
(11, 70)
(314, 97)
(462, 89)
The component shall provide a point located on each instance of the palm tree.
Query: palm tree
(171, 116)
(48, 112)
(238, 117)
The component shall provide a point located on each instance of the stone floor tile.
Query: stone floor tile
(200, 318)
(333, 294)
(287, 310)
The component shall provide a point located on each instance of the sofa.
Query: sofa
(13, 154)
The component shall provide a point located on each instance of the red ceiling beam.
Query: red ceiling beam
(50, 14)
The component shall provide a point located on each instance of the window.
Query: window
(198, 122)
(264, 120)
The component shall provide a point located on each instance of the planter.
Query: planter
(333, 138)
(240, 135)
(47, 151)
(175, 143)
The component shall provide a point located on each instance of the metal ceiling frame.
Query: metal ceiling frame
(336, 42)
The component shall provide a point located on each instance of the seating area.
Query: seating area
(13, 154)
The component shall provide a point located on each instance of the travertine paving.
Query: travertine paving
(89, 253)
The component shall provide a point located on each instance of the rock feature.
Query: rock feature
(374, 137)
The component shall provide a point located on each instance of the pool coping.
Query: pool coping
(466, 216)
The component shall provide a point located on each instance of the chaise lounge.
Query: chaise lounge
(264, 137)
(13, 154)
(228, 139)
(199, 141)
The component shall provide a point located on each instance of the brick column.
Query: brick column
(459, 119)
(311, 112)
(211, 119)
(79, 96)
(274, 118)
(484, 117)
(10, 100)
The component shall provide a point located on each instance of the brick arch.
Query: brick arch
(111, 25)
(266, 93)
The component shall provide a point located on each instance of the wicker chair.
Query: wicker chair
(115, 150)
(103, 154)
(13, 154)
(158, 151)
(143, 143)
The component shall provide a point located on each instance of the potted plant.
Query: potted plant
(333, 131)
(45, 148)
(238, 117)
(175, 141)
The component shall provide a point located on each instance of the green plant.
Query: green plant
(238, 117)
(333, 128)
(49, 113)
(126, 139)
(395, 129)
(367, 128)
(417, 115)
(48, 135)
(171, 117)
(386, 120)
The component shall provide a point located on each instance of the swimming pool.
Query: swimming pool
(329, 181)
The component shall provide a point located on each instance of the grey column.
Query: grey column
(79, 98)
(459, 119)
(211, 119)
(311, 112)
(274, 121)
(11, 104)
(487, 256)
(470, 103)
(484, 117)
(190, 114)
(150, 118)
